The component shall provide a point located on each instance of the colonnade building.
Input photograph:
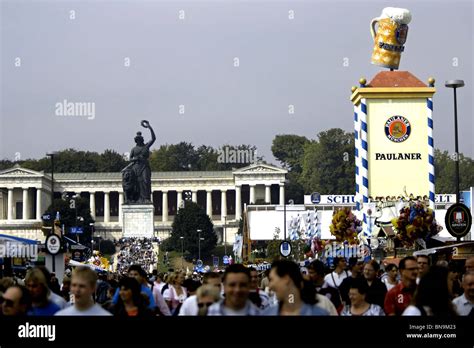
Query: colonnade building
(26, 194)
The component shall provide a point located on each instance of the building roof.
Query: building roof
(154, 175)
(395, 79)
(256, 168)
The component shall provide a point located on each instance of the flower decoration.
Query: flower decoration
(345, 226)
(415, 221)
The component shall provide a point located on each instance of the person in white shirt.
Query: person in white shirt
(176, 293)
(190, 305)
(159, 283)
(465, 303)
(335, 278)
(391, 279)
(83, 284)
(258, 297)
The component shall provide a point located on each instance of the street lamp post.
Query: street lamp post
(92, 226)
(454, 84)
(52, 175)
(199, 244)
(182, 252)
(225, 235)
(52, 200)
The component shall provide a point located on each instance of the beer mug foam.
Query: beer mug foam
(390, 36)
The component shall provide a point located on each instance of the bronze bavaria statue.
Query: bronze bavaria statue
(136, 177)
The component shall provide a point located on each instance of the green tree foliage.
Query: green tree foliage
(186, 223)
(184, 157)
(445, 172)
(107, 247)
(273, 247)
(179, 157)
(176, 157)
(328, 163)
(110, 161)
(6, 164)
(73, 212)
(289, 151)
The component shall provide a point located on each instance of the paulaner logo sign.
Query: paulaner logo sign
(14, 249)
(397, 129)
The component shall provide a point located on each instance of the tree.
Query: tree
(207, 159)
(179, 157)
(328, 163)
(73, 212)
(110, 161)
(6, 164)
(273, 247)
(289, 150)
(445, 172)
(186, 223)
(107, 247)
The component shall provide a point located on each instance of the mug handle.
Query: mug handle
(372, 27)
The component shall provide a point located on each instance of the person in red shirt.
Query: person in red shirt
(399, 297)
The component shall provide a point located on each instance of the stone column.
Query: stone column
(252, 194)
(268, 195)
(39, 196)
(120, 211)
(106, 207)
(223, 204)
(179, 199)
(10, 204)
(164, 206)
(25, 204)
(92, 204)
(194, 196)
(238, 203)
(209, 203)
(282, 194)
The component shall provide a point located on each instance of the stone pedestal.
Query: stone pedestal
(138, 220)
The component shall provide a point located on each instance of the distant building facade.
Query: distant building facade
(26, 194)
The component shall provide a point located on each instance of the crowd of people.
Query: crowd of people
(136, 251)
(414, 287)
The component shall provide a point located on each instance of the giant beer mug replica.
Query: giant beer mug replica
(389, 36)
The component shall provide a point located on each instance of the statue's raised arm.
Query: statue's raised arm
(146, 124)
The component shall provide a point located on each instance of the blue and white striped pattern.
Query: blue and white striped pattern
(431, 169)
(357, 156)
(364, 168)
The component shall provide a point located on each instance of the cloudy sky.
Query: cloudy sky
(212, 72)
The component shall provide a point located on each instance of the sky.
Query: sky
(212, 72)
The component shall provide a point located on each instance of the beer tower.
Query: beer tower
(393, 122)
(393, 125)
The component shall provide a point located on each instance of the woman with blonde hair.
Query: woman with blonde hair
(176, 293)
